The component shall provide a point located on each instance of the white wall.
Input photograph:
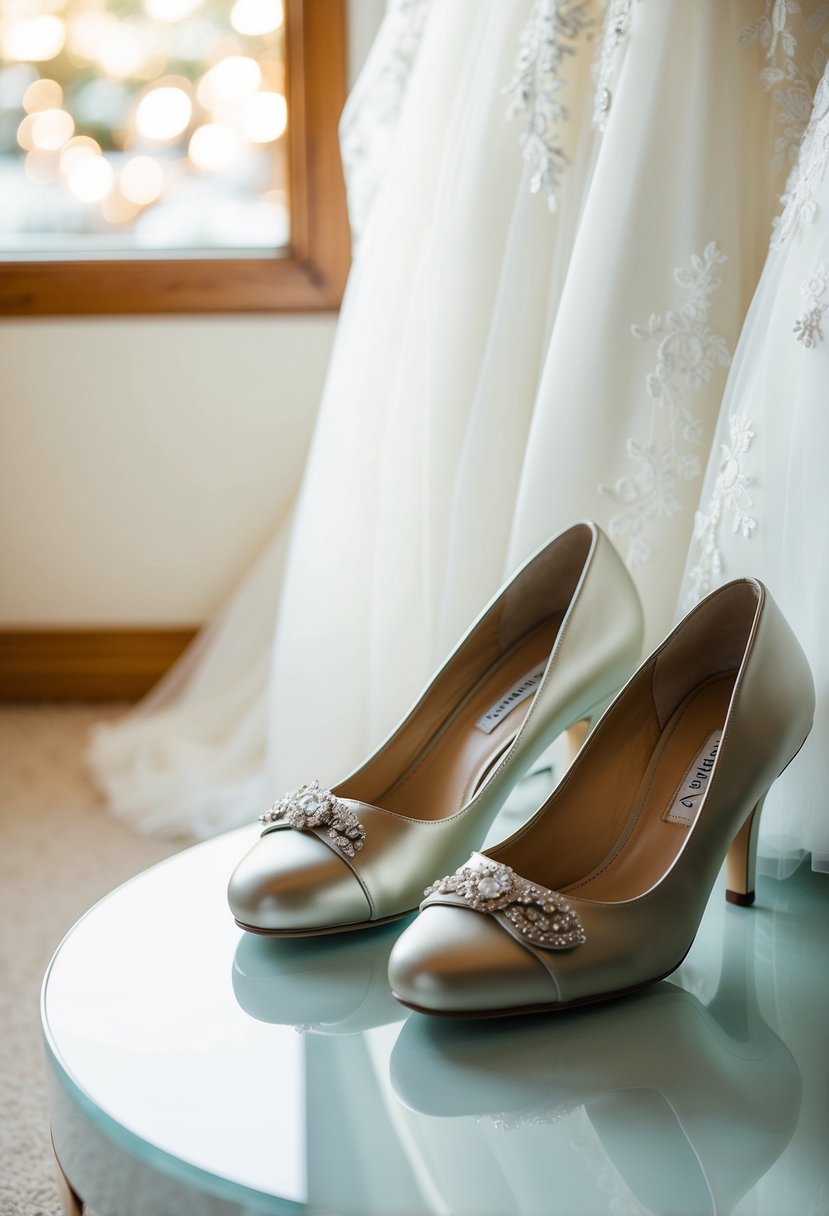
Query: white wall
(145, 463)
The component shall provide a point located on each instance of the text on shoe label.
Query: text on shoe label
(519, 692)
(687, 800)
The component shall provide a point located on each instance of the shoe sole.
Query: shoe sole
(353, 928)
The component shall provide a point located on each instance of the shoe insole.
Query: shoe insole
(449, 769)
(668, 800)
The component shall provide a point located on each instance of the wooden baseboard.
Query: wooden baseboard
(86, 664)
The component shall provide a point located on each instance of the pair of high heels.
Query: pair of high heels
(602, 890)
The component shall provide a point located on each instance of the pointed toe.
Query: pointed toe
(291, 882)
(452, 961)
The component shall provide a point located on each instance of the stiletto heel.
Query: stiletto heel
(576, 735)
(741, 860)
(550, 648)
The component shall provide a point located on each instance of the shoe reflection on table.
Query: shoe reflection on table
(690, 1104)
(656, 1103)
(335, 984)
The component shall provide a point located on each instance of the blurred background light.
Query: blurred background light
(141, 180)
(266, 117)
(254, 17)
(90, 179)
(75, 150)
(42, 95)
(33, 39)
(214, 146)
(51, 129)
(229, 81)
(163, 113)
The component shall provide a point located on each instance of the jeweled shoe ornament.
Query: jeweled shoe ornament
(312, 807)
(540, 916)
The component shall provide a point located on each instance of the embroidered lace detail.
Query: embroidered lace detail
(729, 497)
(801, 98)
(808, 328)
(371, 113)
(793, 84)
(614, 34)
(311, 807)
(540, 916)
(552, 32)
(688, 350)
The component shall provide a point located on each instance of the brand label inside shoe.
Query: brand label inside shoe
(687, 800)
(519, 692)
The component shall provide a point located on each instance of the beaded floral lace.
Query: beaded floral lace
(789, 75)
(808, 328)
(541, 917)
(797, 79)
(615, 32)
(551, 34)
(687, 352)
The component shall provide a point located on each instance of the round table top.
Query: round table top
(282, 1076)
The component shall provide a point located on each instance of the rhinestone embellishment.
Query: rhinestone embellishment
(540, 916)
(312, 807)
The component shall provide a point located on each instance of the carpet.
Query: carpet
(59, 852)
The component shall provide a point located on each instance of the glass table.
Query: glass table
(197, 1069)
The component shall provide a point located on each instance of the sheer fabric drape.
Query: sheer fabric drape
(563, 210)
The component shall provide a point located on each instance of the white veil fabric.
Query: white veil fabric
(563, 210)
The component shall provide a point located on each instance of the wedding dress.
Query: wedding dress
(764, 507)
(563, 207)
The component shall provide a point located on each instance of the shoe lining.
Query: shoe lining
(456, 760)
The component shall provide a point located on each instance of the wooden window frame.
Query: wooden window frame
(308, 276)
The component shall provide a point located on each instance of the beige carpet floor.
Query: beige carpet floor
(59, 852)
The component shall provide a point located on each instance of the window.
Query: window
(171, 155)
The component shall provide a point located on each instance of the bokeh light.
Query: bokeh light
(214, 146)
(75, 150)
(141, 180)
(42, 95)
(51, 129)
(33, 39)
(90, 179)
(119, 210)
(163, 113)
(171, 10)
(266, 117)
(229, 81)
(253, 17)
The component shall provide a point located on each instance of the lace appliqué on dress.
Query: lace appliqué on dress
(792, 82)
(730, 497)
(688, 350)
(551, 34)
(614, 34)
(808, 328)
(801, 97)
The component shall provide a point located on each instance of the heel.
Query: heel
(578, 732)
(576, 735)
(741, 860)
